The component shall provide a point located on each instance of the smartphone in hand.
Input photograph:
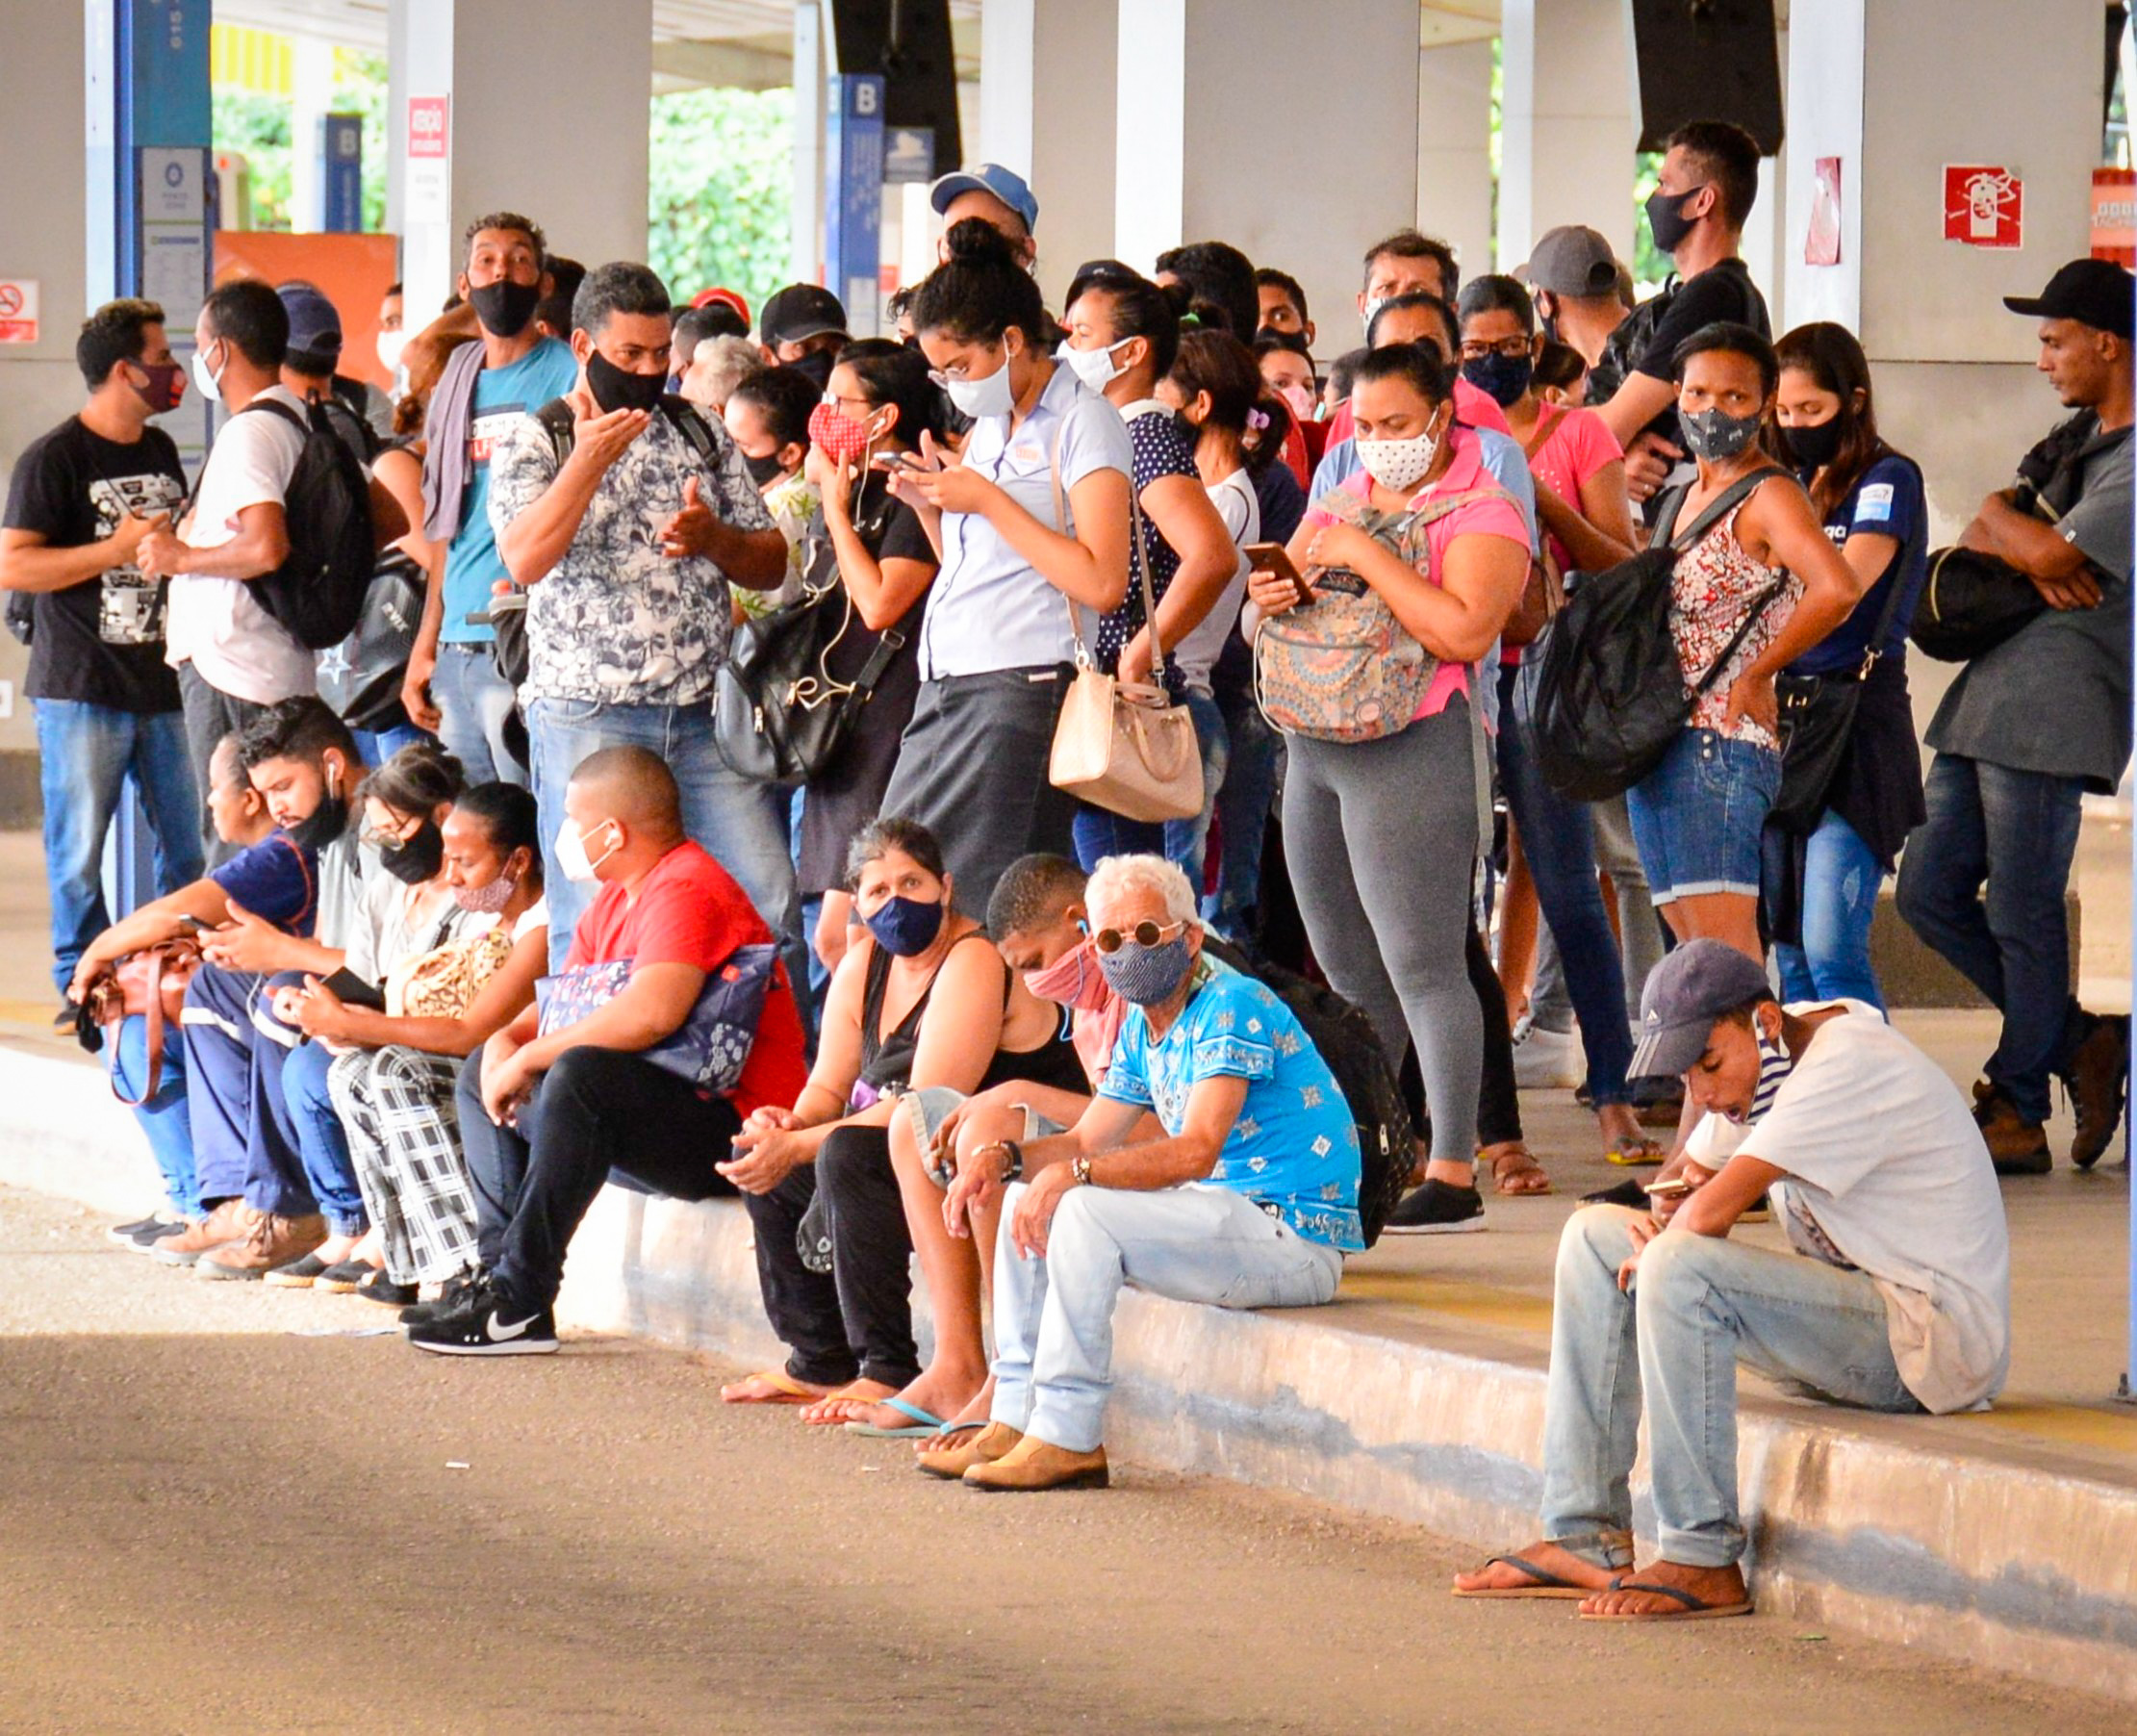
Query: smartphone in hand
(1274, 557)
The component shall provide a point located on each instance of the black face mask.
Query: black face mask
(1666, 219)
(1815, 445)
(506, 306)
(817, 365)
(417, 860)
(614, 389)
(765, 470)
(326, 822)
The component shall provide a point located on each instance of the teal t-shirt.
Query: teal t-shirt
(502, 395)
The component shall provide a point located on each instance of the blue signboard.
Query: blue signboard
(853, 195)
(341, 173)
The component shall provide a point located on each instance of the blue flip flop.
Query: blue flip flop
(922, 1422)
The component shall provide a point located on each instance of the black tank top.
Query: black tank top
(887, 1059)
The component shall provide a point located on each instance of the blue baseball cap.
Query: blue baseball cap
(1005, 184)
(1692, 987)
(314, 326)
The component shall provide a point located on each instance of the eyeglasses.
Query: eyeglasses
(385, 838)
(839, 398)
(1143, 933)
(1475, 350)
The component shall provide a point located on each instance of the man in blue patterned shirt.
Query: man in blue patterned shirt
(1249, 1200)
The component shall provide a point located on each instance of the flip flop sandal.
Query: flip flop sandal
(1503, 1172)
(1635, 1153)
(923, 1423)
(1694, 1608)
(1547, 1583)
(785, 1389)
(845, 1392)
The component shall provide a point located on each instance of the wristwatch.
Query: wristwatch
(1012, 1171)
(1080, 1168)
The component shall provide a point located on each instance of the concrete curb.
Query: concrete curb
(1977, 1558)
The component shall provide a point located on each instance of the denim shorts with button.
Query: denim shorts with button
(1696, 817)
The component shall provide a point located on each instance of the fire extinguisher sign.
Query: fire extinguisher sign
(1984, 205)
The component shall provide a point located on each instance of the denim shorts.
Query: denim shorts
(1696, 817)
(929, 1107)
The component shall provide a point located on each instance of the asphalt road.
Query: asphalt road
(209, 1521)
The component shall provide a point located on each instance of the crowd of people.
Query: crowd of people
(681, 806)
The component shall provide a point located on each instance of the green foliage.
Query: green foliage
(1649, 264)
(719, 206)
(260, 126)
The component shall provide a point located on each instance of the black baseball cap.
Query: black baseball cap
(801, 310)
(1691, 988)
(2094, 292)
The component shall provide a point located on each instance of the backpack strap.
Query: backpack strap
(690, 423)
(560, 422)
(1716, 509)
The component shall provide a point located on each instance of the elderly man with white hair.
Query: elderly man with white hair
(1250, 1199)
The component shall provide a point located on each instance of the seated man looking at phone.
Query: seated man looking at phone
(286, 905)
(1895, 1298)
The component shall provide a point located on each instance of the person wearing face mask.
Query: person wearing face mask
(392, 338)
(546, 1113)
(1282, 311)
(1123, 332)
(406, 911)
(626, 515)
(879, 406)
(107, 705)
(1247, 1199)
(452, 686)
(767, 417)
(394, 1071)
(918, 1016)
(1760, 586)
(802, 326)
(289, 903)
(1821, 875)
(1572, 274)
(1703, 196)
(1030, 520)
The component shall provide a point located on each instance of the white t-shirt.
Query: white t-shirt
(214, 623)
(1888, 1172)
(1241, 512)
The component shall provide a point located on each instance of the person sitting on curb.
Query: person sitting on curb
(546, 1113)
(1249, 1200)
(1895, 1298)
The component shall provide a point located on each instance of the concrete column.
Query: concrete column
(1568, 121)
(547, 116)
(1454, 149)
(311, 99)
(1046, 110)
(1194, 84)
(810, 67)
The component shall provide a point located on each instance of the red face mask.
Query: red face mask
(840, 436)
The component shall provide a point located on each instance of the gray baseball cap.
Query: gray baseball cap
(1691, 988)
(1571, 260)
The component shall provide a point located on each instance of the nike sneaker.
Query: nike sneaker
(487, 1321)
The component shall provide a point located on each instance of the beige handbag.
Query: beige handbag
(1120, 744)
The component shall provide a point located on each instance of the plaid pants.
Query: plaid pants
(397, 1104)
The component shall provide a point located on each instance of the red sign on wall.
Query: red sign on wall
(1984, 205)
(427, 126)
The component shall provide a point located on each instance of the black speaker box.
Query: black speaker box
(908, 42)
(1707, 60)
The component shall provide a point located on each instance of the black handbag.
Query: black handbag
(361, 678)
(1601, 692)
(1818, 725)
(1971, 604)
(778, 714)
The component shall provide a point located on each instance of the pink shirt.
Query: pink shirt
(1478, 409)
(1496, 516)
(1577, 443)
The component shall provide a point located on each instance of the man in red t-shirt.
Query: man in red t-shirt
(544, 1117)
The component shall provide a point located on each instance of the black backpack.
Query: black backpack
(317, 591)
(1601, 693)
(1347, 1042)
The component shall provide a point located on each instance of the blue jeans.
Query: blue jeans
(739, 822)
(473, 704)
(1253, 754)
(1841, 879)
(86, 753)
(2018, 832)
(1700, 1305)
(1099, 832)
(1557, 838)
(164, 1118)
(320, 1140)
(1053, 1315)
(1699, 815)
(378, 746)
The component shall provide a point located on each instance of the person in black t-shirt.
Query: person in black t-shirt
(81, 500)
(1703, 196)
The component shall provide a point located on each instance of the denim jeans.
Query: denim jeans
(245, 1138)
(473, 702)
(1101, 832)
(739, 822)
(1254, 758)
(165, 1118)
(2018, 832)
(1559, 840)
(1053, 1315)
(323, 1144)
(1841, 879)
(378, 746)
(85, 753)
(1700, 1305)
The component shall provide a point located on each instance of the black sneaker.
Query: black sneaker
(447, 1301)
(377, 1287)
(1625, 1194)
(1437, 1209)
(143, 1232)
(487, 1323)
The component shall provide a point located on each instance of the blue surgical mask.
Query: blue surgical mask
(905, 925)
(1147, 975)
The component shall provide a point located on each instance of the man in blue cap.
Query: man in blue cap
(995, 196)
(1895, 1295)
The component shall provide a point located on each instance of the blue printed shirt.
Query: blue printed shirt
(1293, 1150)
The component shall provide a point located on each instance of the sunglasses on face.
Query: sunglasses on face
(1143, 934)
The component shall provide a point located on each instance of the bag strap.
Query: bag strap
(1715, 510)
(690, 423)
(1548, 419)
(1736, 639)
(561, 425)
(157, 1037)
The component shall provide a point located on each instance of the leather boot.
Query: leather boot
(1033, 1464)
(275, 1241)
(980, 1447)
(2100, 1072)
(230, 1221)
(2016, 1145)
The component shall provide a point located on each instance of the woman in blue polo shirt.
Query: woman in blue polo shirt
(1820, 882)
(996, 649)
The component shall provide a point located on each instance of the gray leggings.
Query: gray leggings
(1381, 838)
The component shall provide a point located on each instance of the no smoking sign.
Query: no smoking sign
(19, 310)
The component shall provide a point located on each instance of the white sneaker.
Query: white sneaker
(1549, 1060)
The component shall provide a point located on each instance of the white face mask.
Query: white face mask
(571, 851)
(390, 346)
(1095, 367)
(990, 395)
(1398, 464)
(1373, 305)
(206, 379)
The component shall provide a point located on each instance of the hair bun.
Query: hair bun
(976, 240)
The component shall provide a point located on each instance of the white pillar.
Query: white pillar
(1194, 118)
(578, 169)
(312, 97)
(810, 71)
(1454, 150)
(1567, 123)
